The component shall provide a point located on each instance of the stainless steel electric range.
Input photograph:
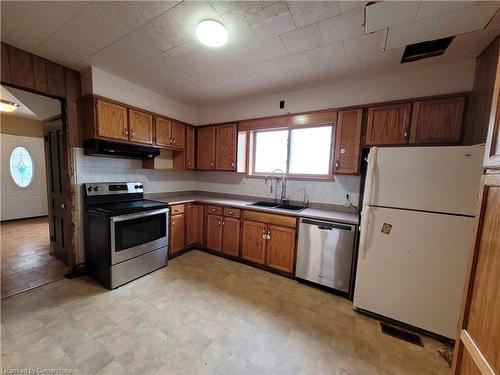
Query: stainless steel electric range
(126, 236)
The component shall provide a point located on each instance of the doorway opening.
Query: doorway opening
(34, 246)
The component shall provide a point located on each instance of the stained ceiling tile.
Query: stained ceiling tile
(343, 26)
(434, 8)
(411, 32)
(268, 49)
(326, 54)
(271, 21)
(302, 39)
(390, 13)
(465, 20)
(307, 12)
(365, 44)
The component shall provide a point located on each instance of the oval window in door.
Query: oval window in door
(21, 167)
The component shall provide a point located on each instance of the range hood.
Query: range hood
(97, 147)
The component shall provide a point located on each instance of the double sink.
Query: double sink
(289, 207)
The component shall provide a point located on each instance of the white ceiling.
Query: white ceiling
(273, 46)
(31, 106)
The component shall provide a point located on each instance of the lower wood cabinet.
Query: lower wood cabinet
(268, 243)
(254, 242)
(231, 236)
(281, 248)
(177, 239)
(194, 224)
(214, 232)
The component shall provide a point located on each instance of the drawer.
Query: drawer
(263, 217)
(177, 209)
(232, 212)
(216, 210)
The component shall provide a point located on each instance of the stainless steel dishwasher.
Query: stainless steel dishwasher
(325, 253)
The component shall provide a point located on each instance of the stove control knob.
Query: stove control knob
(96, 188)
(89, 189)
(140, 186)
(136, 187)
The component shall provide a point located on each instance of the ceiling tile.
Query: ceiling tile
(465, 20)
(266, 3)
(240, 32)
(236, 8)
(66, 49)
(307, 12)
(268, 49)
(327, 54)
(168, 31)
(343, 26)
(302, 39)
(347, 5)
(434, 8)
(271, 21)
(294, 62)
(470, 45)
(365, 44)
(390, 13)
(495, 21)
(166, 62)
(190, 13)
(155, 8)
(411, 32)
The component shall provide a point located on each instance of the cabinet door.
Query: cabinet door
(225, 152)
(189, 149)
(163, 135)
(231, 236)
(388, 125)
(178, 135)
(111, 120)
(206, 148)
(214, 232)
(254, 243)
(479, 327)
(281, 248)
(176, 233)
(140, 126)
(437, 121)
(194, 224)
(348, 142)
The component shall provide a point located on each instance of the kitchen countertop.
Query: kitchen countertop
(312, 213)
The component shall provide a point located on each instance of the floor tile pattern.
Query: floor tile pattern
(25, 259)
(202, 315)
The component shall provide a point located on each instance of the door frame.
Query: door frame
(68, 160)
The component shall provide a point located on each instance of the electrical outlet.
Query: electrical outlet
(282, 104)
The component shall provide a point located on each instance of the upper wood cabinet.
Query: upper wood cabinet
(106, 119)
(225, 150)
(189, 149)
(112, 120)
(140, 126)
(169, 133)
(348, 141)
(388, 124)
(437, 121)
(206, 148)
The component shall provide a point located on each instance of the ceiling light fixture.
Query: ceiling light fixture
(6, 106)
(211, 33)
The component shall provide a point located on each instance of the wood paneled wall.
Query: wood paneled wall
(35, 74)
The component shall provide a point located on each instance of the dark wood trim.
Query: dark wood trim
(325, 116)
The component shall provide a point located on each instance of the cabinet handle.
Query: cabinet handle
(268, 236)
(232, 164)
(132, 133)
(220, 222)
(337, 165)
(125, 132)
(174, 141)
(212, 165)
(189, 163)
(230, 212)
(405, 135)
(170, 141)
(223, 223)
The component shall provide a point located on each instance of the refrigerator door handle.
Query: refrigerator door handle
(372, 163)
(365, 224)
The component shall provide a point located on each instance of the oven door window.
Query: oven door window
(139, 231)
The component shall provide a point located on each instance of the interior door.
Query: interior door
(57, 189)
(140, 126)
(423, 257)
(225, 152)
(231, 236)
(254, 243)
(478, 339)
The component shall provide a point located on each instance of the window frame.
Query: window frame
(295, 176)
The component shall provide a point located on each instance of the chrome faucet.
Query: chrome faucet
(305, 200)
(275, 180)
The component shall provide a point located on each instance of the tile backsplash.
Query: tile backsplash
(105, 169)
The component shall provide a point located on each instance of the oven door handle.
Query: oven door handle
(116, 219)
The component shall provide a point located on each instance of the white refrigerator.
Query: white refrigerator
(416, 231)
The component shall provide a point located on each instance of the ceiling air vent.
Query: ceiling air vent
(423, 50)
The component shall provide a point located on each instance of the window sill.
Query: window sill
(294, 177)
